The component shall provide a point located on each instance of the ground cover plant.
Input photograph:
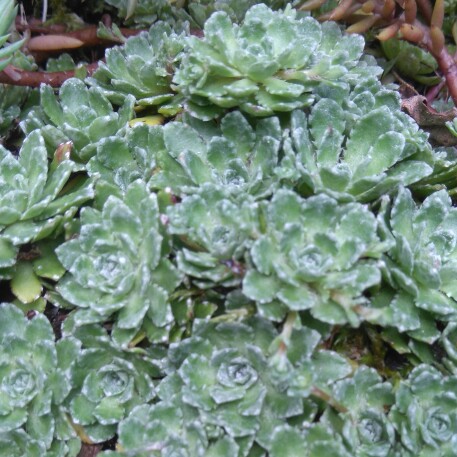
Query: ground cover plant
(225, 237)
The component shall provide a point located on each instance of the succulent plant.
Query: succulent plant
(9, 11)
(411, 61)
(80, 115)
(35, 382)
(271, 272)
(421, 265)
(365, 429)
(118, 267)
(359, 146)
(237, 157)
(34, 202)
(316, 440)
(216, 232)
(142, 67)
(143, 13)
(119, 161)
(315, 254)
(180, 157)
(424, 413)
(443, 176)
(11, 99)
(107, 383)
(271, 62)
(164, 429)
(18, 444)
(220, 376)
(201, 10)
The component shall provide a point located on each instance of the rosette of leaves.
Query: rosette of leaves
(182, 156)
(220, 378)
(142, 68)
(271, 62)
(361, 420)
(121, 160)
(118, 268)
(236, 157)
(216, 232)
(421, 265)
(303, 370)
(317, 255)
(107, 383)
(35, 382)
(19, 444)
(200, 10)
(80, 115)
(34, 202)
(359, 147)
(166, 429)
(424, 414)
(315, 441)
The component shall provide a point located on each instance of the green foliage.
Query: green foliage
(411, 61)
(80, 115)
(143, 67)
(359, 146)
(107, 383)
(11, 99)
(315, 254)
(271, 62)
(219, 395)
(143, 13)
(232, 155)
(35, 382)
(118, 267)
(424, 413)
(272, 272)
(215, 232)
(9, 11)
(34, 203)
(200, 10)
(421, 264)
(365, 428)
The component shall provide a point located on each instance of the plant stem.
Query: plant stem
(328, 399)
(17, 77)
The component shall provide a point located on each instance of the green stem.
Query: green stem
(328, 399)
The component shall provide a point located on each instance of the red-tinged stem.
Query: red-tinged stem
(37, 26)
(446, 62)
(432, 94)
(88, 35)
(448, 66)
(17, 77)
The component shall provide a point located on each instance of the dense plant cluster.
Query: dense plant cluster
(250, 250)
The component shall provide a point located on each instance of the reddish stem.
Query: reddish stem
(433, 92)
(17, 77)
(448, 66)
(88, 35)
(36, 26)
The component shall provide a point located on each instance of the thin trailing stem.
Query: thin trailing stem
(17, 77)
